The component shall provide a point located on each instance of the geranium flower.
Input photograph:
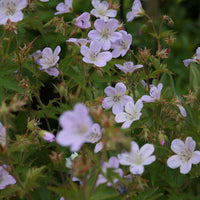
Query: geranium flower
(128, 67)
(92, 55)
(5, 178)
(50, 137)
(76, 127)
(196, 58)
(155, 93)
(186, 156)
(78, 42)
(64, 7)
(112, 163)
(101, 10)
(83, 21)
(137, 158)
(131, 114)
(12, 10)
(137, 11)
(116, 98)
(121, 46)
(105, 32)
(2, 135)
(49, 60)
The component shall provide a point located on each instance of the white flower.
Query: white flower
(137, 11)
(101, 10)
(155, 93)
(11, 9)
(2, 135)
(195, 58)
(186, 156)
(78, 42)
(64, 7)
(137, 158)
(133, 113)
(128, 67)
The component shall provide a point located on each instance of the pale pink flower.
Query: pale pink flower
(186, 156)
(94, 56)
(122, 45)
(105, 32)
(78, 42)
(128, 67)
(2, 135)
(137, 158)
(132, 113)
(83, 21)
(76, 127)
(12, 10)
(195, 58)
(64, 7)
(137, 11)
(50, 137)
(116, 98)
(5, 178)
(101, 10)
(155, 93)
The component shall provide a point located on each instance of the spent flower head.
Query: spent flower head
(76, 127)
(94, 56)
(116, 98)
(122, 45)
(105, 32)
(12, 10)
(137, 158)
(101, 10)
(128, 67)
(132, 113)
(186, 155)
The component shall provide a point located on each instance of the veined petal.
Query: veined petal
(137, 169)
(185, 167)
(149, 160)
(21, 4)
(94, 35)
(177, 146)
(134, 147)
(109, 91)
(195, 157)
(124, 158)
(117, 108)
(112, 25)
(113, 162)
(95, 46)
(127, 124)
(190, 144)
(111, 13)
(139, 105)
(57, 50)
(147, 99)
(99, 24)
(18, 16)
(120, 88)
(130, 16)
(98, 147)
(146, 150)
(174, 162)
(187, 62)
(107, 56)
(85, 51)
(47, 52)
(121, 117)
(107, 103)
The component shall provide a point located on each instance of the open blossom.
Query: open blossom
(186, 156)
(64, 7)
(137, 11)
(49, 60)
(83, 21)
(12, 10)
(105, 32)
(116, 98)
(101, 10)
(137, 158)
(112, 163)
(132, 113)
(2, 136)
(122, 45)
(155, 93)
(196, 58)
(94, 56)
(5, 177)
(128, 67)
(76, 127)
(78, 42)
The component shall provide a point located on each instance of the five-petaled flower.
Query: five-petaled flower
(49, 60)
(64, 7)
(128, 67)
(116, 98)
(196, 58)
(101, 10)
(12, 10)
(155, 93)
(186, 156)
(132, 113)
(105, 32)
(122, 45)
(83, 21)
(5, 177)
(94, 56)
(137, 158)
(78, 42)
(76, 127)
(137, 11)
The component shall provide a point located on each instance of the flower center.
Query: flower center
(186, 155)
(11, 9)
(81, 128)
(101, 11)
(128, 65)
(116, 98)
(137, 159)
(105, 33)
(123, 44)
(94, 55)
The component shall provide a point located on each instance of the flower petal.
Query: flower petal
(174, 162)
(117, 108)
(137, 169)
(120, 88)
(195, 157)
(146, 150)
(107, 103)
(190, 144)
(149, 160)
(177, 146)
(124, 158)
(185, 167)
